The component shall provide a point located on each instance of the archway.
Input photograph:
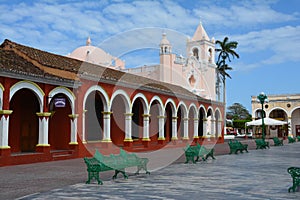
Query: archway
(278, 131)
(217, 123)
(118, 109)
(201, 119)
(210, 126)
(181, 117)
(155, 110)
(192, 116)
(137, 120)
(59, 122)
(94, 117)
(295, 123)
(23, 122)
(168, 122)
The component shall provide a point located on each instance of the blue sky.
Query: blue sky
(268, 33)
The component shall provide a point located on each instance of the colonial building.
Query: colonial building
(56, 107)
(285, 107)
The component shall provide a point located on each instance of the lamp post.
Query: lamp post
(262, 98)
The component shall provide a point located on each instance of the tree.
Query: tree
(238, 112)
(226, 50)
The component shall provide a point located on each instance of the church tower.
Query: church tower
(165, 55)
(200, 52)
(201, 47)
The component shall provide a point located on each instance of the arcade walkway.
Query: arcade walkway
(259, 174)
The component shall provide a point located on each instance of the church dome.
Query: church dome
(92, 54)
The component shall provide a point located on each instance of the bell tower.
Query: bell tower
(200, 46)
(165, 55)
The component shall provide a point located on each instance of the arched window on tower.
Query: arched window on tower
(196, 53)
(166, 49)
(209, 55)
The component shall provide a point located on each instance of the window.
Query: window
(196, 53)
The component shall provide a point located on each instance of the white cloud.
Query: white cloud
(242, 14)
(59, 26)
(278, 45)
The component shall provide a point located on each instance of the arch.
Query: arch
(139, 108)
(181, 117)
(156, 112)
(185, 109)
(256, 113)
(124, 96)
(104, 102)
(204, 109)
(144, 102)
(193, 107)
(31, 86)
(217, 110)
(104, 96)
(1, 96)
(69, 94)
(275, 108)
(59, 123)
(218, 121)
(23, 122)
(201, 121)
(295, 108)
(210, 110)
(161, 105)
(196, 52)
(121, 117)
(192, 116)
(294, 127)
(170, 116)
(173, 106)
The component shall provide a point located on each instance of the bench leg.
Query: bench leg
(142, 166)
(122, 171)
(94, 175)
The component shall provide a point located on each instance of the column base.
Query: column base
(5, 151)
(196, 139)
(128, 143)
(43, 148)
(161, 140)
(146, 143)
(106, 144)
(73, 146)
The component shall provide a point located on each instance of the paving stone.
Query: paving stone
(259, 174)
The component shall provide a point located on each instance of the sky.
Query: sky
(267, 32)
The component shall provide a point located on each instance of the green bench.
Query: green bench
(236, 146)
(298, 138)
(291, 140)
(261, 144)
(295, 173)
(100, 163)
(277, 141)
(197, 151)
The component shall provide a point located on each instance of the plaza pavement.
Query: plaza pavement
(259, 174)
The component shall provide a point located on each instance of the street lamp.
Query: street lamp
(262, 98)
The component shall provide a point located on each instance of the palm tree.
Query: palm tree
(226, 50)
